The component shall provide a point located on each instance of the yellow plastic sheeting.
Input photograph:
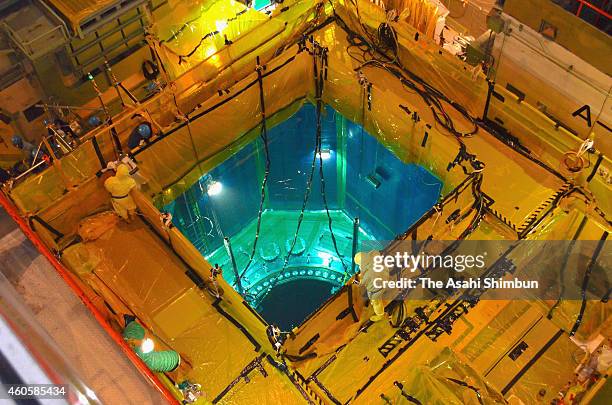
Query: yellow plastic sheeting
(386, 120)
(422, 56)
(532, 185)
(549, 143)
(440, 382)
(142, 281)
(333, 333)
(551, 368)
(93, 227)
(362, 357)
(543, 261)
(480, 341)
(492, 228)
(221, 125)
(563, 224)
(271, 390)
(217, 350)
(549, 375)
(137, 272)
(189, 34)
(81, 259)
(81, 164)
(193, 259)
(180, 245)
(198, 47)
(435, 225)
(236, 61)
(77, 10)
(154, 287)
(421, 14)
(426, 386)
(38, 190)
(579, 37)
(69, 209)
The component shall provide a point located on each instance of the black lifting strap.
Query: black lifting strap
(96, 147)
(585, 282)
(58, 234)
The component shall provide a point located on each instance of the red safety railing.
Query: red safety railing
(68, 278)
(584, 3)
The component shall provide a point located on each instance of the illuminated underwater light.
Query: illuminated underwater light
(326, 258)
(214, 188)
(325, 154)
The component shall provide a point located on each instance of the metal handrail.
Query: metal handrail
(592, 7)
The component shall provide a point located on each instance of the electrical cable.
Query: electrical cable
(466, 385)
(432, 97)
(188, 23)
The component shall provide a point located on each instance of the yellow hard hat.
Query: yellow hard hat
(359, 258)
(123, 170)
(362, 258)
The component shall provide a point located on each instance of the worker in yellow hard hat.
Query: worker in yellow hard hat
(365, 261)
(119, 186)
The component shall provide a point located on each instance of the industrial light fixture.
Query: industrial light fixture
(147, 345)
(326, 257)
(374, 180)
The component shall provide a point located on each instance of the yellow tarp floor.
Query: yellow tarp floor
(141, 269)
(480, 342)
(475, 352)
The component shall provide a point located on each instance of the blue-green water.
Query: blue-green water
(362, 180)
(259, 4)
